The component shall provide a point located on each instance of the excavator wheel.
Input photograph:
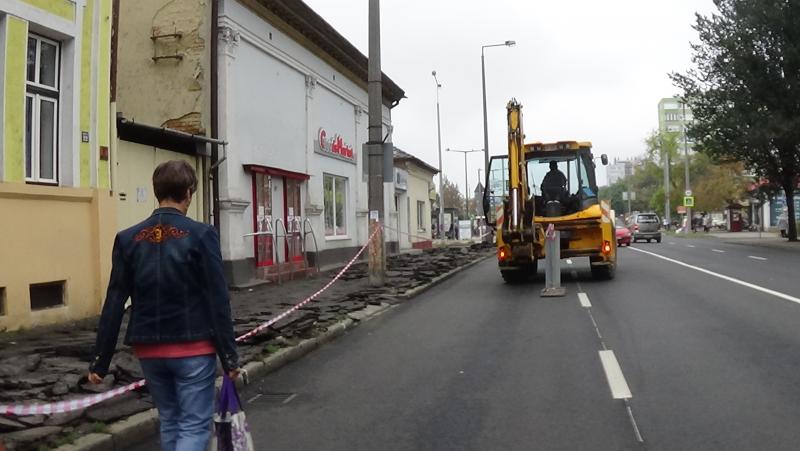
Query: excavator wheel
(514, 276)
(604, 272)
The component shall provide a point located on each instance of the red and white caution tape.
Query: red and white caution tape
(27, 409)
(313, 296)
(71, 405)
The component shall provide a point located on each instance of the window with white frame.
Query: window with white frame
(41, 110)
(420, 216)
(335, 200)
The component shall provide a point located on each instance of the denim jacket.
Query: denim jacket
(171, 268)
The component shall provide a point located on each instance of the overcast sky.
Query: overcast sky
(583, 69)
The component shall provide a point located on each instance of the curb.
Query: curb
(439, 279)
(141, 426)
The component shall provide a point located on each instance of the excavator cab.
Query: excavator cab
(562, 182)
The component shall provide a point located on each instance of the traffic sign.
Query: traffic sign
(681, 210)
(688, 192)
(688, 201)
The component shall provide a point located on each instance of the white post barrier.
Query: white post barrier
(552, 261)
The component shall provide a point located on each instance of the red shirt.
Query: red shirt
(174, 350)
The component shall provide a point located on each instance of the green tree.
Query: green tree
(453, 197)
(745, 88)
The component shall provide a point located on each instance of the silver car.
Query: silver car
(645, 226)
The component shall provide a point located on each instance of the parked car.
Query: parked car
(623, 236)
(645, 226)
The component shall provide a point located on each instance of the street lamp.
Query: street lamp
(441, 169)
(485, 122)
(686, 168)
(466, 180)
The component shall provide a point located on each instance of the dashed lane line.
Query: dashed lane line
(616, 380)
(584, 298)
(757, 258)
(690, 245)
(753, 286)
(718, 251)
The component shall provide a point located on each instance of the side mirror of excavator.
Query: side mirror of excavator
(604, 159)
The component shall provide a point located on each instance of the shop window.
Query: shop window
(2, 301)
(420, 216)
(47, 295)
(335, 192)
(41, 110)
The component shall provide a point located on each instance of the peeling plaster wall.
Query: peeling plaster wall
(169, 92)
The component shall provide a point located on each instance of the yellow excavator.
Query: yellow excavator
(538, 185)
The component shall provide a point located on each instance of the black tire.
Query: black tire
(658, 240)
(521, 275)
(649, 240)
(604, 272)
(513, 276)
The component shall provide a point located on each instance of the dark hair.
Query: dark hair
(171, 180)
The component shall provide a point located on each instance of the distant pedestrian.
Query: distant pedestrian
(171, 268)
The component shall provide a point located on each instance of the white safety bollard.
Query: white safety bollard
(552, 260)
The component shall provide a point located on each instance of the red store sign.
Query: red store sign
(334, 146)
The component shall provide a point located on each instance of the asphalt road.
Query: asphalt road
(706, 341)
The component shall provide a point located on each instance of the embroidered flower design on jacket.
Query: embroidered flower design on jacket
(160, 233)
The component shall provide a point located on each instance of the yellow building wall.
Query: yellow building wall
(57, 233)
(135, 182)
(52, 234)
(418, 190)
(62, 8)
(14, 93)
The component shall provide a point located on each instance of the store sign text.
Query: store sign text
(334, 145)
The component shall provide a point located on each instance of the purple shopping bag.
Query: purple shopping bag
(231, 432)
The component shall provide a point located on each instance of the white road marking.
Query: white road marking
(777, 294)
(584, 298)
(250, 401)
(718, 251)
(569, 261)
(636, 432)
(616, 380)
(756, 258)
(290, 398)
(690, 245)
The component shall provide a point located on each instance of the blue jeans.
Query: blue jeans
(183, 391)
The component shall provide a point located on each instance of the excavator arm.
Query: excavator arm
(517, 174)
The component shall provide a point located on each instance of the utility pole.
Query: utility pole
(686, 168)
(441, 169)
(375, 151)
(665, 161)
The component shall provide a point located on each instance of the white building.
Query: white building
(619, 170)
(293, 108)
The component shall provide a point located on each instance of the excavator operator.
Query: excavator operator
(554, 184)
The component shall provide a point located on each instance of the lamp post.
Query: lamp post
(483, 81)
(686, 168)
(441, 169)
(466, 179)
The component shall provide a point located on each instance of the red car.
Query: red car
(623, 236)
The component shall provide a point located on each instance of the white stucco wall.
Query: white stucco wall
(274, 97)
